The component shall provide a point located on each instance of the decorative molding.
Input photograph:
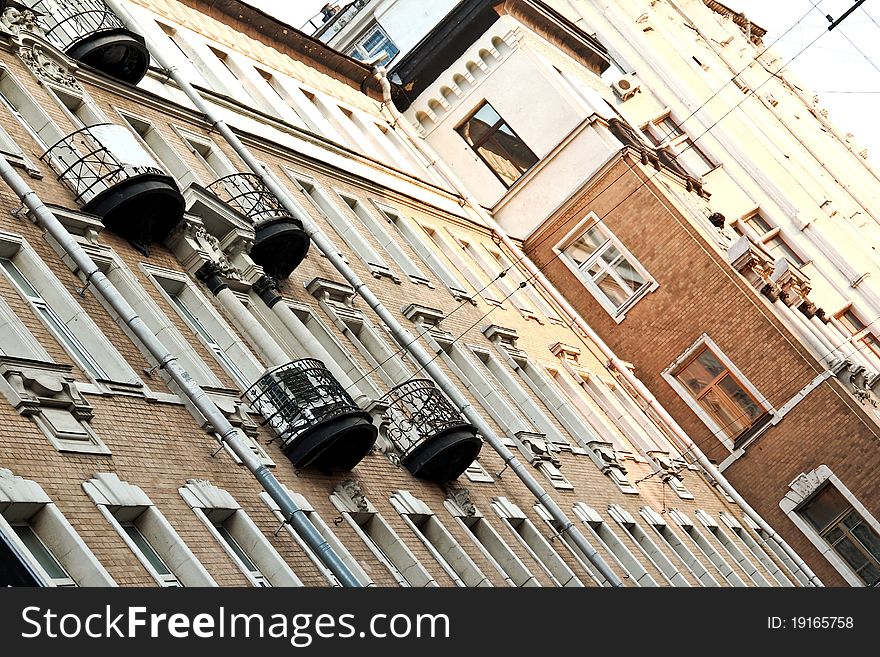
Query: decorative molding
(47, 63)
(323, 289)
(419, 314)
(15, 20)
(565, 352)
(350, 494)
(460, 499)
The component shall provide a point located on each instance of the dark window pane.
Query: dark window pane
(825, 507)
(497, 144)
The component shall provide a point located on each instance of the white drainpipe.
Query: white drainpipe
(228, 434)
(434, 162)
(401, 335)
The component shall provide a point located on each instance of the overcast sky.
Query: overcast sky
(842, 66)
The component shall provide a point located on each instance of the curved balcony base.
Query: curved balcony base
(337, 444)
(144, 208)
(120, 54)
(445, 456)
(280, 245)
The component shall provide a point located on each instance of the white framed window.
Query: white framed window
(731, 548)
(385, 544)
(517, 279)
(326, 533)
(608, 270)
(209, 154)
(385, 239)
(438, 541)
(576, 553)
(674, 543)
(757, 550)
(837, 524)
(535, 544)
(493, 547)
(146, 532)
(487, 281)
(374, 42)
(719, 394)
(235, 531)
(28, 111)
(40, 533)
(706, 548)
(74, 330)
(415, 233)
(344, 227)
(646, 545)
(634, 571)
(230, 351)
(126, 283)
(15, 155)
(78, 106)
(505, 380)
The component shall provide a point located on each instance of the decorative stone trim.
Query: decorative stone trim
(339, 294)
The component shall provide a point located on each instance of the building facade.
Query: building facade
(684, 194)
(230, 264)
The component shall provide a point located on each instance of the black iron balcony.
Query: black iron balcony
(88, 31)
(434, 440)
(281, 243)
(317, 421)
(113, 177)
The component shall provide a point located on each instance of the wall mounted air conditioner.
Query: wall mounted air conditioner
(625, 87)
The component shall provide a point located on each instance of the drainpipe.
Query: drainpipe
(401, 335)
(228, 434)
(434, 162)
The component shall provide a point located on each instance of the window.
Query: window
(439, 542)
(13, 153)
(756, 550)
(647, 546)
(202, 318)
(385, 239)
(234, 530)
(452, 250)
(370, 343)
(664, 531)
(217, 164)
(610, 272)
(613, 546)
(64, 335)
(148, 552)
(146, 532)
(859, 330)
(42, 538)
(535, 544)
(732, 549)
(576, 553)
(415, 238)
(156, 144)
(777, 550)
(706, 548)
(760, 230)
(733, 408)
(494, 548)
(373, 43)
(345, 228)
(846, 531)
(497, 144)
(28, 112)
(667, 132)
(56, 572)
(326, 533)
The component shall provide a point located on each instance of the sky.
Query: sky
(842, 66)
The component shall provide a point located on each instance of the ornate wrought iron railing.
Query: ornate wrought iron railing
(94, 159)
(69, 21)
(249, 195)
(295, 397)
(418, 411)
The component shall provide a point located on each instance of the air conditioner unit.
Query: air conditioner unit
(625, 87)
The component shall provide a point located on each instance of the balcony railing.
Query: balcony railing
(434, 441)
(87, 30)
(317, 421)
(325, 25)
(112, 176)
(281, 243)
